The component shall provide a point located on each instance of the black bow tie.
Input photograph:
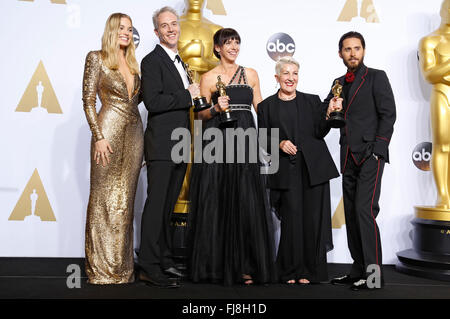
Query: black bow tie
(177, 58)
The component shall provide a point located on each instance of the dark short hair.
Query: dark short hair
(223, 35)
(352, 34)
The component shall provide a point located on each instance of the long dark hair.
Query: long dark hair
(222, 36)
(352, 34)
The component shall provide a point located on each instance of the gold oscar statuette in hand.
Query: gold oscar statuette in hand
(336, 119)
(200, 102)
(225, 115)
(337, 89)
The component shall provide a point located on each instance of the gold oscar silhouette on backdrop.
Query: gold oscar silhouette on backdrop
(359, 10)
(52, 1)
(434, 56)
(39, 94)
(33, 202)
(430, 256)
(195, 46)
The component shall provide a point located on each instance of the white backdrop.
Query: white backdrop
(49, 152)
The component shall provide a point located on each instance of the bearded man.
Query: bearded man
(368, 107)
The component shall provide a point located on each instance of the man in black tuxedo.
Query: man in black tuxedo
(167, 96)
(369, 110)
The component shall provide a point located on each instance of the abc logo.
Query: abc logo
(421, 156)
(280, 45)
(136, 37)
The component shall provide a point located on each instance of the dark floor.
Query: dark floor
(47, 278)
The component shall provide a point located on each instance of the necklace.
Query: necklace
(233, 68)
(287, 98)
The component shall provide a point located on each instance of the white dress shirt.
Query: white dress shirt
(178, 65)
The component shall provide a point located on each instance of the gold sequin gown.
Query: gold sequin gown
(109, 220)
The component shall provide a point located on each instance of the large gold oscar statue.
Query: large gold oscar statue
(430, 256)
(434, 56)
(195, 47)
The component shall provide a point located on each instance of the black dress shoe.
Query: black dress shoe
(172, 271)
(362, 285)
(344, 280)
(158, 280)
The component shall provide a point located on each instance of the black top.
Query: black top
(348, 85)
(288, 110)
(309, 133)
(241, 94)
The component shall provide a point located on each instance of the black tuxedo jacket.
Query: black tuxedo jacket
(310, 131)
(370, 114)
(167, 102)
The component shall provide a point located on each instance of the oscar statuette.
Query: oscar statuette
(337, 119)
(200, 102)
(225, 115)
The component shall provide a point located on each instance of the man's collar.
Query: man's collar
(169, 52)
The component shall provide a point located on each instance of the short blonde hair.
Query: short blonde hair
(110, 44)
(162, 10)
(285, 60)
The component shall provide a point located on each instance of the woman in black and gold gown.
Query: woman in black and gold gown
(116, 153)
(229, 231)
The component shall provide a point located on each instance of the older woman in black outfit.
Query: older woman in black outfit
(300, 190)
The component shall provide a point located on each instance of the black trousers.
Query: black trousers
(361, 189)
(165, 179)
(305, 212)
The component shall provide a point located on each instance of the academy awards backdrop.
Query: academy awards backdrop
(45, 138)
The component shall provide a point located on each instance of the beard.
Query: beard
(353, 68)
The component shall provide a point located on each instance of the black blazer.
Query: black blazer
(311, 121)
(370, 115)
(167, 102)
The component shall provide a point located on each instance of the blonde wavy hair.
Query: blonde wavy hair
(110, 44)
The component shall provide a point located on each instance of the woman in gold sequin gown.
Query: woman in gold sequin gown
(116, 153)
